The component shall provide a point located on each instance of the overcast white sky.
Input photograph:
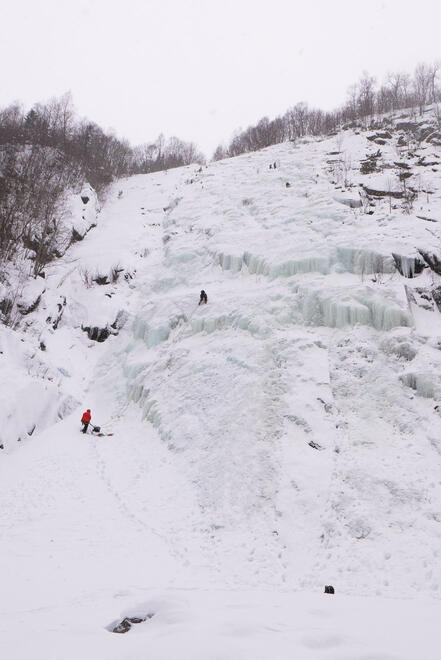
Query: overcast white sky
(199, 69)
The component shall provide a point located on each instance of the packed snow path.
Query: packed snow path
(278, 439)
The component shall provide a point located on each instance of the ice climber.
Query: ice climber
(203, 299)
(85, 420)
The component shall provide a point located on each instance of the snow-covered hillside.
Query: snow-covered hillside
(278, 439)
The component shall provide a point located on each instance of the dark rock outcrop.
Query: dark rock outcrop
(385, 135)
(409, 126)
(436, 295)
(76, 236)
(408, 266)
(125, 625)
(424, 297)
(434, 138)
(373, 192)
(430, 163)
(27, 308)
(6, 305)
(97, 334)
(101, 279)
(55, 319)
(403, 176)
(369, 164)
(431, 260)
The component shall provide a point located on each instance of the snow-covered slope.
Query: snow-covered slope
(278, 439)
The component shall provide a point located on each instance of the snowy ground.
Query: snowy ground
(281, 438)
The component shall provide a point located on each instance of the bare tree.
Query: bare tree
(385, 100)
(422, 84)
(352, 105)
(220, 152)
(434, 90)
(366, 95)
(397, 84)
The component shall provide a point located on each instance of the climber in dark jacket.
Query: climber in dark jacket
(203, 299)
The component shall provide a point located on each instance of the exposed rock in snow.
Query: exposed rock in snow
(408, 126)
(82, 213)
(379, 135)
(421, 296)
(436, 295)
(126, 624)
(97, 334)
(408, 266)
(55, 317)
(432, 260)
(6, 304)
(434, 138)
(31, 296)
(388, 192)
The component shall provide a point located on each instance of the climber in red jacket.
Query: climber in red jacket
(85, 420)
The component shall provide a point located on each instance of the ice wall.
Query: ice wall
(338, 308)
(359, 261)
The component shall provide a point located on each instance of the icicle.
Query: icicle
(421, 383)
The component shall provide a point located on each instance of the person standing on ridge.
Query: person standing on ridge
(85, 420)
(203, 299)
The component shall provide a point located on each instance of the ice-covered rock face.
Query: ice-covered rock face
(296, 407)
(338, 308)
(33, 396)
(310, 354)
(30, 296)
(82, 212)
